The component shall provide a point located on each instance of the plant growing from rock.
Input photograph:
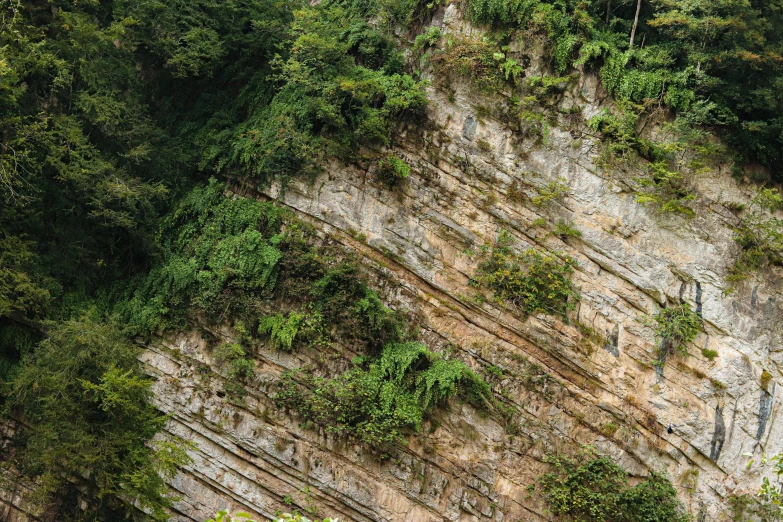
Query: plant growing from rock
(380, 399)
(392, 171)
(759, 235)
(532, 281)
(591, 488)
(677, 326)
(240, 368)
(552, 191)
(284, 331)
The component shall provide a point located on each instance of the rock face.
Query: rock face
(469, 180)
(472, 177)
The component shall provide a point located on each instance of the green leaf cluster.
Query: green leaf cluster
(715, 64)
(217, 254)
(759, 235)
(89, 423)
(677, 326)
(590, 488)
(532, 281)
(378, 402)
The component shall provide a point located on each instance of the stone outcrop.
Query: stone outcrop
(469, 180)
(472, 177)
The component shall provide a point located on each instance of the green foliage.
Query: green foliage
(232, 354)
(709, 354)
(552, 191)
(532, 281)
(218, 253)
(378, 402)
(88, 421)
(748, 508)
(475, 59)
(426, 39)
(759, 235)
(340, 86)
(282, 330)
(297, 327)
(21, 292)
(677, 326)
(668, 190)
(592, 488)
(714, 64)
(393, 170)
(225, 516)
(565, 230)
(769, 501)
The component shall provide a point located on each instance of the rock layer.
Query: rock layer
(632, 260)
(472, 177)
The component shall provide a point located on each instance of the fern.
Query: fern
(282, 330)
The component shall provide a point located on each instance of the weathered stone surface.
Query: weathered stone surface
(464, 466)
(631, 261)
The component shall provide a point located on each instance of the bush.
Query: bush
(532, 281)
(426, 39)
(218, 253)
(340, 87)
(89, 424)
(759, 235)
(677, 326)
(379, 402)
(595, 489)
(392, 171)
(232, 354)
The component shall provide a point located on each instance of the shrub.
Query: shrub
(282, 330)
(709, 354)
(677, 326)
(759, 235)
(475, 59)
(217, 255)
(666, 188)
(240, 369)
(565, 230)
(392, 171)
(341, 86)
(426, 39)
(378, 402)
(552, 191)
(89, 423)
(532, 281)
(233, 355)
(591, 488)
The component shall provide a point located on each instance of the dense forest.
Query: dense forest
(122, 123)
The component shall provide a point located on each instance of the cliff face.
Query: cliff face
(472, 177)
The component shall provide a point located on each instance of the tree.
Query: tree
(89, 424)
(635, 23)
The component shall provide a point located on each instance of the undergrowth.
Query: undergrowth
(231, 258)
(381, 399)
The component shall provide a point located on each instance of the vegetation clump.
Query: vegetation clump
(532, 281)
(677, 326)
(759, 235)
(589, 488)
(712, 64)
(393, 170)
(380, 399)
(89, 423)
